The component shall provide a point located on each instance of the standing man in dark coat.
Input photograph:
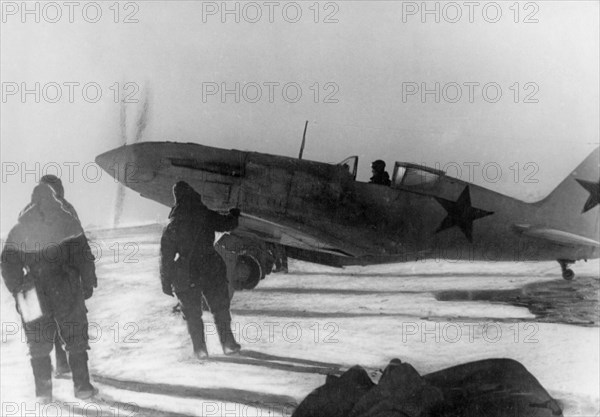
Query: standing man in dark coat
(47, 250)
(192, 268)
(62, 369)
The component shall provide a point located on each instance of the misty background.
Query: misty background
(367, 55)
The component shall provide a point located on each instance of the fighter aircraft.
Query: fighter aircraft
(319, 212)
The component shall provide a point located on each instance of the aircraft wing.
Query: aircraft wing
(274, 232)
(556, 236)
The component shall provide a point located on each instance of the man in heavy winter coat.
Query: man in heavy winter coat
(191, 268)
(47, 250)
(62, 369)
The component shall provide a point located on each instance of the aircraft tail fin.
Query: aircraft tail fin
(573, 206)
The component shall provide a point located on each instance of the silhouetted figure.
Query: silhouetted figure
(380, 176)
(47, 251)
(62, 369)
(192, 269)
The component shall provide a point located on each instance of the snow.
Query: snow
(297, 328)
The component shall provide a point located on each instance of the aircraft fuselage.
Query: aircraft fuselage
(362, 223)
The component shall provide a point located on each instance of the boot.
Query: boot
(42, 374)
(196, 331)
(201, 353)
(62, 369)
(81, 376)
(223, 323)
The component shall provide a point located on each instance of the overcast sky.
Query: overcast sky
(365, 61)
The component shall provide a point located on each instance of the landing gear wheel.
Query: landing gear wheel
(567, 273)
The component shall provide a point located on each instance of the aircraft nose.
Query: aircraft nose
(114, 162)
(104, 159)
(128, 164)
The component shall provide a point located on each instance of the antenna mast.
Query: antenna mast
(303, 140)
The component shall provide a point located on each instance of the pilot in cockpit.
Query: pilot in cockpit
(380, 176)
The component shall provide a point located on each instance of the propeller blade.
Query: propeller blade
(142, 121)
(123, 122)
(120, 196)
(140, 127)
(119, 203)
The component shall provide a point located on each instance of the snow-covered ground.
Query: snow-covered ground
(297, 328)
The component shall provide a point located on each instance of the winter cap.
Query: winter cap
(54, 182)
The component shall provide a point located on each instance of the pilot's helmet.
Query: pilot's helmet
(378, 165)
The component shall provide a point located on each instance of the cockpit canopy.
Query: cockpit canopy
(351, 164)
(408, 175)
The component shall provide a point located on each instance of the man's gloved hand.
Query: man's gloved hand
(88, 292)
(167, 290)
(235, 212)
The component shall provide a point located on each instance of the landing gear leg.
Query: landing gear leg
(567, 273)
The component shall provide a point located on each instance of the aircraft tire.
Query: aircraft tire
(568, 274)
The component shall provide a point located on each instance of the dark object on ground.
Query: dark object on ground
(491, 388)
(338, 396)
